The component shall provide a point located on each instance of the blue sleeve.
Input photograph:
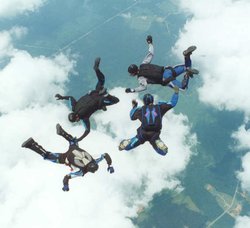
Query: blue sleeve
(174, 99)
(172, 102)
(132, 112)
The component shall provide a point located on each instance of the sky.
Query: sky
(219, 30)
(30, 186)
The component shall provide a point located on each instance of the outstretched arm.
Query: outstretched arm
(135, 112)
(165, 106)
(148, 58)
(70, 98)
(142, 85)
(108, 160)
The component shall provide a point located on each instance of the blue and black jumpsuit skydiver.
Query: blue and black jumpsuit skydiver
(166, 75)
(91, 102)
(76, 158)
(151, 125)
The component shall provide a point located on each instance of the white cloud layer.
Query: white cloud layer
(30, 188)
(11, 8)
(242, 222)
(218, 28)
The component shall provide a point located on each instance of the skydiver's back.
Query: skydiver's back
(88, 104)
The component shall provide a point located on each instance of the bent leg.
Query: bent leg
(128, 144)
(100, 76)
(159, 146)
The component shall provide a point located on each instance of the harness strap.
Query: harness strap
(172, 70)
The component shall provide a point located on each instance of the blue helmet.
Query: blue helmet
(148, 99)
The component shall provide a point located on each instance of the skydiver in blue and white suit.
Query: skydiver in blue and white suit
(150, 115)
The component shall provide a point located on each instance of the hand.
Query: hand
(149, 39)
(176, 89)
(128, 90)
(110, 169)
(134, 103)
(58, 97)
(65, 188)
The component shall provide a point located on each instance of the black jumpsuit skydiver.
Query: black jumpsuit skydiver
(91, 102)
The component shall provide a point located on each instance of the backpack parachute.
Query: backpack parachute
(151, 118)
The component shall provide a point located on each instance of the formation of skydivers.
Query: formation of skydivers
(150, 114)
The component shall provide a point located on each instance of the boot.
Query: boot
(189, 50)
(97, 63)
(33, 145)
(64, 134)
(191, 72)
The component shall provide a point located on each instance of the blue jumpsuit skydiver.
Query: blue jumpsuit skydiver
(75, 157)
(150, 116)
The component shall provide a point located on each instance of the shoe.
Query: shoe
(191, 72)
(97, 63)
(189, 50)
(58, 129)
(28, 143)
(124, 144)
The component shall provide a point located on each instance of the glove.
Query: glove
(176, 89)
(58, 97)
(128, 90)
(65, 188)
(149, 39)
(134, 103)
(110, 169)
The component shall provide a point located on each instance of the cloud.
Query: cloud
(31, 187)
(218, 29)
(15, 7)
(242, 222)
(111, 198)
(6, 40)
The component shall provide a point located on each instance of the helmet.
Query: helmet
(92, 167)
(72, 117)
(132, 69)
(148, 99)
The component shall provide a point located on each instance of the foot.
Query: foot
(28, 143)
(189, 50)
(124, 143)
(104, 108)
(191, 72)
(97, 63)
(58, 129)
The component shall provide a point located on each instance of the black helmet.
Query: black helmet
(92, 167)
(148, 99)
(133, 69)
(72, 117)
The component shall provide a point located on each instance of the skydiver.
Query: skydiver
(148, 73)
(91, 102)
(150, 116)
(76, 158)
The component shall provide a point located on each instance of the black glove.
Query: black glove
(134, 103)
(58, 97)
(149, 39)
(110, 169)
(128, 90)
